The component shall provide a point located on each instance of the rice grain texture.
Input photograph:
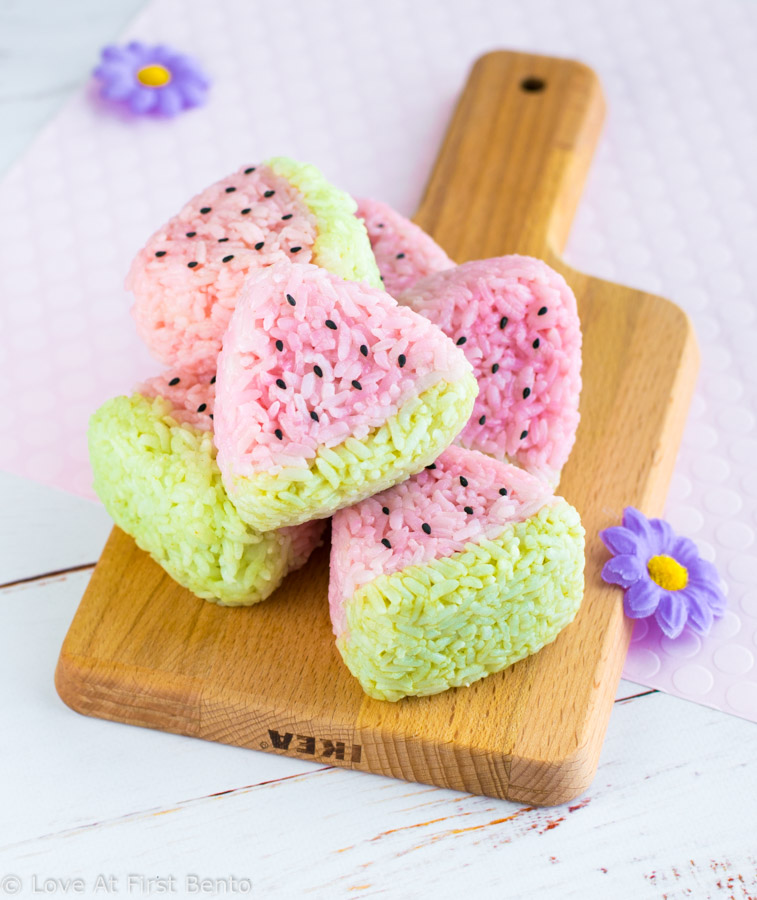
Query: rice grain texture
(495, 574)
(154, 467)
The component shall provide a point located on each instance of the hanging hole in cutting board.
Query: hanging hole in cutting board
(533, 85)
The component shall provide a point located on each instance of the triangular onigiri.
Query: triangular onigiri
(186, 278)
(458, 572)
(328, 392)
(155, 470)
(517, 322)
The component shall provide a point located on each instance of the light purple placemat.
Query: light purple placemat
(365, 92)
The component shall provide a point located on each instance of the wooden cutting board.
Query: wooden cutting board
(143, 650)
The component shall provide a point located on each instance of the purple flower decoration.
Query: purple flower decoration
(151, 79)
(662, 575)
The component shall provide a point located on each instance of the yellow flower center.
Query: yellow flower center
(668, 573)
(154, 76)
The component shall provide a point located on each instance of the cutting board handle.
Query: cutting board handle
(512, 166)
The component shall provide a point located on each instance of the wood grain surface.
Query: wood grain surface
(143, 650)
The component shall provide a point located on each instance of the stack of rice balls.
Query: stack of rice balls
(326, 359)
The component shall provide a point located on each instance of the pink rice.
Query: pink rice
(403, 251)
(193, 396)
(193, 399)
(376, 357)
(517, 322)
(437, 496)
(187, 277)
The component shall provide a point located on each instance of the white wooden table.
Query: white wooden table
(126, 811)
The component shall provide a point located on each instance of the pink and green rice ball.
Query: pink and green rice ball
(404, 252)
(517, 322)
(154, 465)
(187, 277)
(459, 572)
(328, 392)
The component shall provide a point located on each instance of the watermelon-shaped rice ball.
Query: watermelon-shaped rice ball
(404, 252)
(459, 572)
(154, 466)
(187, 277)
(328, 392)
(517, 322)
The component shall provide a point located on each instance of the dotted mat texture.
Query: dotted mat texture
(365, 90)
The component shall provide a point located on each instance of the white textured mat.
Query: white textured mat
(364, 90)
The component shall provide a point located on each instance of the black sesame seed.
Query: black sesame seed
(385, 542)
(228, 258)
(210, 415)
(279, 434)
(281, 383)
(380, 225)
(426, 528)
(202, 407)
(269, 193)
(222, 240)
(461, 341)
(291, 301)
(482, 420)
(357, 385)
(259, 245)
(174, 381)
(161, 253)
(191, 265)
(191, 233)
(401, 359)
(287, 217)
(385, 510)
(245, 211)
(400, 256)
(542, 311)
(213, 380)
(206, 209)
(469, 510)
(503, 322)
(230, 190)
(432, 466)
(526, 392)
(295, 249)
(364, 350)
(503, 492)
(495, 368)
(330, 324)
(313, 415)
(463, 481)
(249, 171)
(318, 371)
(381, 277)
(524, 435)
(536, 343)
(279, 345)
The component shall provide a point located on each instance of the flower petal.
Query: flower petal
(637, 522)
(711, 593)
(193, 94)
(117, 88)
(700, 613)
(142, 100)
(641, 599)
(664, 536)
(624, 570)
(169, 101)
(671, 613)
(619, 540)
(684, 550)
(704, 571)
